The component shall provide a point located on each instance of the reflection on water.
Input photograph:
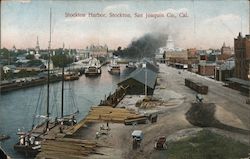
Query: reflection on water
(17, 108)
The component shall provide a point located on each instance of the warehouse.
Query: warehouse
(136, 82)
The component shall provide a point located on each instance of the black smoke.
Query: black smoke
(144, 46)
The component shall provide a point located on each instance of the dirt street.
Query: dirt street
(230, 110)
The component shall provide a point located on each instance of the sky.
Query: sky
(207, 23)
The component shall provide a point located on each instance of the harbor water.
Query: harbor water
(17, 108)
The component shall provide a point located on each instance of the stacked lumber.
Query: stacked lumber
(116, 115)
(153, 104)
(73, 129)
(104, 113)
(67, 148)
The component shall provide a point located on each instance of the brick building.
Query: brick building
(242, 57)
(206, 69)
(226, 49)
(192, 52)
(182, 54)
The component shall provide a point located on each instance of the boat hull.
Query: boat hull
(71, 78)
(93, 71)
(27, 150)
(92, 74)
(114, 71)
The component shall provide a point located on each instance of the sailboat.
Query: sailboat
(68, 120)
(30, 142)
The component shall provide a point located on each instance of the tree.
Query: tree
(30, 57)
(44, 56)
(61, 60)
(2, 75)
(34, 63)
(5, 52)
(9, 75)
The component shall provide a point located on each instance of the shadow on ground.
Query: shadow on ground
(202, 115)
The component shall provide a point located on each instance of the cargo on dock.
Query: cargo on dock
(135, 120)
(105, 114)
(116, 115)
(198, 87)
(67, 148)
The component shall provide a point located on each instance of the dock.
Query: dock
(104, 114)
(67, 148)
(113, 99)
(60, 145)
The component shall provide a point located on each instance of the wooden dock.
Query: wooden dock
(113, 99)
(104, 114)
(56, 145)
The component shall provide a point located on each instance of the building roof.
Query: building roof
(228, 65)
(207, 63)
(224, 56)
(240, 81)
(150, 65)
(139, 75)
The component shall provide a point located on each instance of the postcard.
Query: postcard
(125, 79)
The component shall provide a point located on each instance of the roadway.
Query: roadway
(231, 100)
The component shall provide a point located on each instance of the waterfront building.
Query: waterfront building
(150, 65)
(97, 50)
(136, 82)
(93, 51)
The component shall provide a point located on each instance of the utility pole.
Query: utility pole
(62, 82)
(144, 65)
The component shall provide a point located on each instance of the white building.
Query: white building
(169, 48)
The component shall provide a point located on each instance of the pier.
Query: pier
(64, 144)
(113, 99)
(15, 85)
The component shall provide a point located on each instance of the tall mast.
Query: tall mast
(62, 81)
(49, 49)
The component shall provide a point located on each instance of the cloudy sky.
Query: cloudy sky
(208, 23)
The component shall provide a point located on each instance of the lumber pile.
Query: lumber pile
(104, 114)
(73, 129)
(116, 115)
(67, 148)
(153, 104)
